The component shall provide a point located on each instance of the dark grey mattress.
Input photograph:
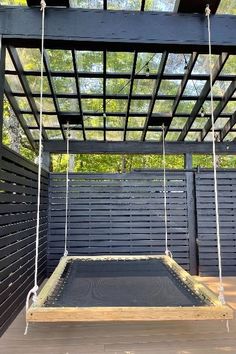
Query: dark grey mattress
(121, 283)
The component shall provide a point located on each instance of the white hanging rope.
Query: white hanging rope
(167, 251)
(34, 290)
(221, 287)
(67, 185)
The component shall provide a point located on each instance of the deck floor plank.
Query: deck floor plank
(179, 337)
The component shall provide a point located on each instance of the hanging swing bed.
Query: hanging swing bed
(123, 288)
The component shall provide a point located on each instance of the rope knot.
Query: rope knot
(221, 296)
(168, 253)
(66, 253)
(33, 292)
(43, 5)
(207, 10)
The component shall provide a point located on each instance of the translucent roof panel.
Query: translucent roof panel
(169, 87)
(94, 135)
(202, 64)
(116, 96)
(114, 135)
(163, 106)
(88, 61)
(60, 60)
(153, 136)
(64, 84)
(136, 122)
(87, 4)
(176, 63)
(115, 86)
(30, 58)
(14, 82)
(148, 60)
(119, 62)
(194, 87)
(227, 7)
(143, 87)
(115, 122)
(133, 5)
(91, 85)
(34, 83)
(95, 122)
(160, 5)
(134, 135)
(230, 65)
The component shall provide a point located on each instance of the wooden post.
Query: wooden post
(188, 161)
(2, 79)
(192, 215)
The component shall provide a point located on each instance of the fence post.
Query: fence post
(192, 216)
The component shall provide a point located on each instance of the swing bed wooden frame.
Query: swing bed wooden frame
(38, 312)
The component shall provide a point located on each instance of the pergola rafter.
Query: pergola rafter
(183, 84)
(204, 93)
(78, 92)
(160, 71)
(51, 85)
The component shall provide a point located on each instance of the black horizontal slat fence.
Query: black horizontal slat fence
(118, 214)
(109, 214)
(18, 205)
(206, 221)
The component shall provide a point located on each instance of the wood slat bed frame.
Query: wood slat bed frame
(40, 313)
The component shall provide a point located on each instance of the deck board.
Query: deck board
(182, 337)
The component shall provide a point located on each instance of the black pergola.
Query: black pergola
(146, 69)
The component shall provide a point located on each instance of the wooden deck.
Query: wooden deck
(182, 337)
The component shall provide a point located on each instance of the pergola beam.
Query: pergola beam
(133, 147)
(122, 114)
(117, 30)
(121, 75)
(119, 97)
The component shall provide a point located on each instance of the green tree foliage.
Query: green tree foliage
(116, 163)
